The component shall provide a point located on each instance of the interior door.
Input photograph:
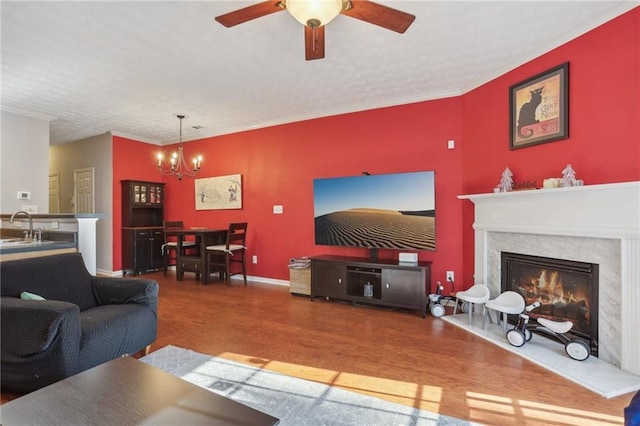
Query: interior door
(54, 193)
(83, 190)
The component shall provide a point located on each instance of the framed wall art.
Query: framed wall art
(539, 108)
(217, 193)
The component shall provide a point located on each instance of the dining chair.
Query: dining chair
(221, 257)
(170, 246)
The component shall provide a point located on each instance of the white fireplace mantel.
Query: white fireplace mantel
(596, 211)
(609, 211)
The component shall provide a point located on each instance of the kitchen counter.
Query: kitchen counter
(82, 226)
(14, 246)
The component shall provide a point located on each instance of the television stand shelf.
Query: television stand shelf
(385, 281)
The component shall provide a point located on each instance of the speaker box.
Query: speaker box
(408, 257)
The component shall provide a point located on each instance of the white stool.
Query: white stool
(477, 294)
(508, 302)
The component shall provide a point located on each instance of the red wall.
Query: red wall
(136, 160)
(604, 116)
(278, 164)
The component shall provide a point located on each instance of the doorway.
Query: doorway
(83, 193)
(54, 193)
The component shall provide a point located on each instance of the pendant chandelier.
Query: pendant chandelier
(179, 166)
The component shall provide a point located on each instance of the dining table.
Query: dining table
(197, 260)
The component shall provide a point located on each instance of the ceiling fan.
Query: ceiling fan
(315, 14)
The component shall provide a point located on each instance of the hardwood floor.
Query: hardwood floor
(396, 355)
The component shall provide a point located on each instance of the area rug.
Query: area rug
(296, 402)
(598, 376)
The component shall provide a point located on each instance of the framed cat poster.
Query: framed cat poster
(539, 108)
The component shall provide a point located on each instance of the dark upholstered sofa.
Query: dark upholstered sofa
(84, 320)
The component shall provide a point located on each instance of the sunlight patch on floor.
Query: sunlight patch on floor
(485, 407)
(410, 394)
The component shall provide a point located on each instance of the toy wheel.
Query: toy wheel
(577, 349)
(466, 306)
(527, 334)
(437, 310)
(516, 338)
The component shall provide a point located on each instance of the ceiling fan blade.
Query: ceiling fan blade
(314, 42)
(377, 14)
(250, 12)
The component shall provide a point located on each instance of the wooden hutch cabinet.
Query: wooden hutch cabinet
(142, 232)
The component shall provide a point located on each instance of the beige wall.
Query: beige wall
(96, 152)
(24, 154)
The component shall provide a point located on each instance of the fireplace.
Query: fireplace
(567, 290)
(591, 223)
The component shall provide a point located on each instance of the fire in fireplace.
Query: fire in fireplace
(567, 290)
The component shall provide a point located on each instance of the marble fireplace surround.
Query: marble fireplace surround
(595, 224)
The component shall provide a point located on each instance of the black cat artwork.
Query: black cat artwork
(527, 114)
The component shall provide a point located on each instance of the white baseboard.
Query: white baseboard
(263, 280)
(253, 278)
(105, 273)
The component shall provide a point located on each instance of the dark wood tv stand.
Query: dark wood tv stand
(394, 284)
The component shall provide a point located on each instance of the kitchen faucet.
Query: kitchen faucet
(22, 212)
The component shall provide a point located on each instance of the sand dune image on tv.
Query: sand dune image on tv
(377, 228)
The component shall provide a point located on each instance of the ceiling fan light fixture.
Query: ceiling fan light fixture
(314, 13)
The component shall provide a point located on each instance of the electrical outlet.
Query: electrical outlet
(254, 259)
(450, 276)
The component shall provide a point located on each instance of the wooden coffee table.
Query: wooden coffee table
(126, 391)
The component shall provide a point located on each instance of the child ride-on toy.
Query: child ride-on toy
(576, 348)
(438, 302)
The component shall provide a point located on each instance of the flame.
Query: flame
(546, 286)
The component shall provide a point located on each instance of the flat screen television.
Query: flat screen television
(387, 211)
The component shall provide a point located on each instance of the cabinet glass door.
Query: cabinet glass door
(159, 194)
(136, 193)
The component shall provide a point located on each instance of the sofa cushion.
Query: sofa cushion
(118, 291)
(111, 331)
(61, 277)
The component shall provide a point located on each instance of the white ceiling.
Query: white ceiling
(129, 67)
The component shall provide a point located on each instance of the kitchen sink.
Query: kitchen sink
(21, 242)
